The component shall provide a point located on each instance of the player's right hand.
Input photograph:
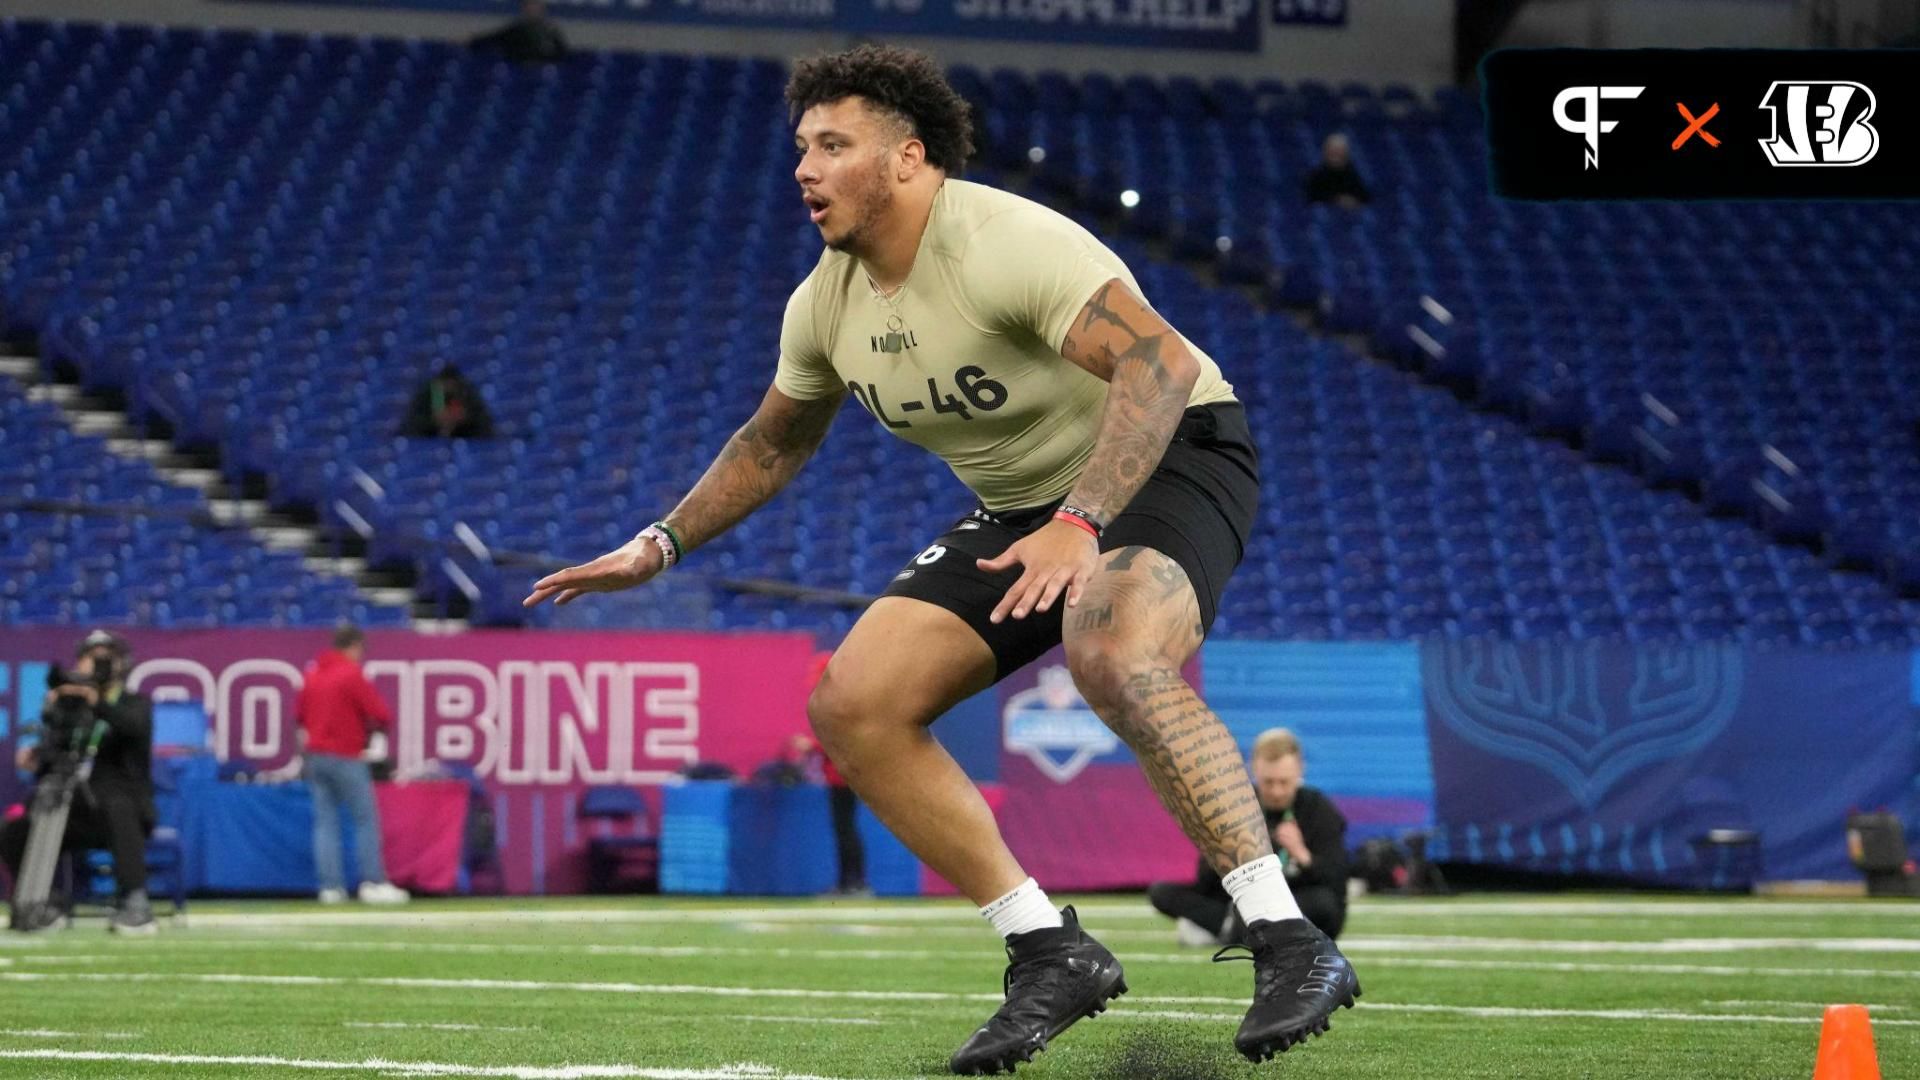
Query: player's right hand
(633, 563)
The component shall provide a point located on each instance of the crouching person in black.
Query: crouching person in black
(1309, 835)
(112, 806)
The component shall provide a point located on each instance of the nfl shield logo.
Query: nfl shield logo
(1051, 726)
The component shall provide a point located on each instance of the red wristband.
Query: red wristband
(1077, 521)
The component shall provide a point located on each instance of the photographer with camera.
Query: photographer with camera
(94, 728)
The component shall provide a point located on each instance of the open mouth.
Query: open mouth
(816, 207)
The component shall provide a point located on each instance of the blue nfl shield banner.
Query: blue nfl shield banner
(1606, 758)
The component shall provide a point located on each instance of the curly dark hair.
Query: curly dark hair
(904, 82)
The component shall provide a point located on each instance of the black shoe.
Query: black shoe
(1299, 979)
(1054, 977)
(134, 915)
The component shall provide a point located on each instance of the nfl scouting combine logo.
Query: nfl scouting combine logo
(1051, 726)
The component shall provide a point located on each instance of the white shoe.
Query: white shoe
(333, 896)
(383, 892)
(1194, 936)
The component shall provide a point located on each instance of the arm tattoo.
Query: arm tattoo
(760, 459)
(1150, 375)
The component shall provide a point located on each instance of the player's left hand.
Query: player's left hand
(1057, 557)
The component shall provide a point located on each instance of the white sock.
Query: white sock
(1259, 889)
(1025, 908)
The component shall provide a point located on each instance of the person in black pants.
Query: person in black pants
(846, 835)
(114, 808)
(530, 39)
(1309, 834)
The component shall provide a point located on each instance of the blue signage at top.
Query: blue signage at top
(1310, 12)
(1157, 24)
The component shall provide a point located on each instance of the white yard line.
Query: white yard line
(1453, 943)
(1500, 1011)
(1409, 942)
(399, 1025)
(43, 1033)
(743, 1071)
(417, 917)
(499, 984)
(505, 949)
(915, 911)
(1503, 1012)
(1758, 907)
(674, 989)
(856, 1020)
(1572, 967)
(1357, 945)
(1769, 1003)
(972, 930)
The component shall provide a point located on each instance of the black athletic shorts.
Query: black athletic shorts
(1197, 509)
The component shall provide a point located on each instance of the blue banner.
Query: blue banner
(1913, 790)
(1157, 24)
(1310, 12)
(23, 689)
(1359, 712)
(1603, 758)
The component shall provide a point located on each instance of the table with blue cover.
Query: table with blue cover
(768, 840)
(258, 838)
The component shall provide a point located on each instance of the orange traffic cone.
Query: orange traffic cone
(1846, 1045)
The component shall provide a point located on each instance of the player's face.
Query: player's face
(845, 155)
(1277, 782)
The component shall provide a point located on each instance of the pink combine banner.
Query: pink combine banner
(537, 716)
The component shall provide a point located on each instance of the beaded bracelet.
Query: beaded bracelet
(662, 539)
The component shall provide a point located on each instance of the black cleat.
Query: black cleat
(1299, 979)
(1054, 977)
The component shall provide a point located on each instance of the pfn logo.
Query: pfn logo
(1825, 124)
(1589, 123)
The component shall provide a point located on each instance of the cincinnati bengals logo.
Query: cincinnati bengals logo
(1819, 124)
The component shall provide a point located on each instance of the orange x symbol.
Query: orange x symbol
(1697, 125)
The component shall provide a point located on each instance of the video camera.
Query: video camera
(69, 728)
(101, 677)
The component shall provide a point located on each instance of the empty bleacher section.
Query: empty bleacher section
(266, 242)
(165, 565)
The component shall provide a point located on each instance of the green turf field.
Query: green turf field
(1470, 987)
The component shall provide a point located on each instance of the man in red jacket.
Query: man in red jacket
(845, 804)
(335, 709)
